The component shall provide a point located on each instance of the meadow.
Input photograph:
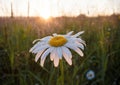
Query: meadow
(102, 51)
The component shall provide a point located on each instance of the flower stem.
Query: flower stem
(62, 72)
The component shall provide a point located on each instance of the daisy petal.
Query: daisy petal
(52, 55)
(81, 41)
(79, 52)
(38, 55)
(47, 38)
(56, 61)
(55, 34)
(66, 56)
(68, 34)
(44, 55)
(67, 51)
(80, 45)
(36, 40)
(75, 48)
(34, 46)
(38, 44)
(79, 33)
(40, 48)
(59, 52)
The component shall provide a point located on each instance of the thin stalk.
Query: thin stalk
(62, 72)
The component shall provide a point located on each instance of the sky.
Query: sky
(47, 8)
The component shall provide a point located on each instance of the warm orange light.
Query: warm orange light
(54, 8)
(45, 14)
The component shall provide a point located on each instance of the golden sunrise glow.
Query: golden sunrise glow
(46, 15)
(47, 8)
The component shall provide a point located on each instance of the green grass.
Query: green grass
(17, 65)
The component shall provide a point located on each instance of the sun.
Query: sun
(45, 14)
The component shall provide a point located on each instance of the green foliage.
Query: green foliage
(17, 65)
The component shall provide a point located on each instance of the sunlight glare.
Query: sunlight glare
(47, 8)
(46, 15)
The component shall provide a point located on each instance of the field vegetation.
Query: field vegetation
(102, 52)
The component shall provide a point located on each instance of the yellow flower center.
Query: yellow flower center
(57, 41)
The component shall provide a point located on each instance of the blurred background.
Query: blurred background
(22, 21)
(46, 8)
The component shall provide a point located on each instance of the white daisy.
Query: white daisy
(90, 75)
(58, 46)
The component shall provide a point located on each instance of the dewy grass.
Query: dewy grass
(17, 40)
(103, 53)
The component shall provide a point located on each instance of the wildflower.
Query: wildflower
(58, 46)
(90, 75)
